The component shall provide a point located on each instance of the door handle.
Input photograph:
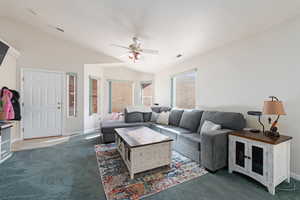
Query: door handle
(58, 108)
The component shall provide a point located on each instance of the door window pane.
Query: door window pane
(72, 94)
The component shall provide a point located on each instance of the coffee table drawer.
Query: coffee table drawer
(150, 156)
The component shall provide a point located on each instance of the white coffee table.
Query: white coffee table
(143, 149)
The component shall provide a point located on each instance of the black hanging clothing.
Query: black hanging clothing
(1, 93)
(16, 104)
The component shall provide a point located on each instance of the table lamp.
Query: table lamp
(273, 107)
(258, 114)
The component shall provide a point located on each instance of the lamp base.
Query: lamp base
(272, 134)
(254, 130)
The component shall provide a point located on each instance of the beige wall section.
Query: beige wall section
(8, 72)
(43, 51)
(240, 76)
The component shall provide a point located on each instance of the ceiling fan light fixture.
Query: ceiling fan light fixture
(135, 50)
(131, 55)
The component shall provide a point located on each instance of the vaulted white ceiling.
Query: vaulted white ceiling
(188, 27)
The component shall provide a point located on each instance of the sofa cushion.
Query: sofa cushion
(108, 126)
(228, 120)
(156, 109)
(164, 109)
(147, 117)
(190, 119)
(209, 126)
(175, 117)
(195, 137)
(154, 116)
(189, 145)
(163, 118)
(173, 129)
(134, 117)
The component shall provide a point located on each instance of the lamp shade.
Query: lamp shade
(273, 108)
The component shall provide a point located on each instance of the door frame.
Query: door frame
(63, 113)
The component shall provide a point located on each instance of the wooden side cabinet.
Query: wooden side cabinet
(262, 158)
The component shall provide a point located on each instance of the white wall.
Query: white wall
(43, 51)
(240, 76)
(8, 72)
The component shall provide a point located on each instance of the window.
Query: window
(72, 94)
(183, 90)
(147, 93)
(94, 95)
(120, 95)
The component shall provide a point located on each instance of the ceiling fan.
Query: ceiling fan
(135, 50)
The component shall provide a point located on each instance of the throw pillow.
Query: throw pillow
(163, 118)
(155, 109)
(133, 117)
(164, 109)
(175, 117)
(154, 116)
(190, 119)
(209, 126)
(147, 117)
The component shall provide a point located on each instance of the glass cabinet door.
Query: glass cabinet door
(257, 161)
(240, 151)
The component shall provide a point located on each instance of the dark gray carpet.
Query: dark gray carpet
(69, 171)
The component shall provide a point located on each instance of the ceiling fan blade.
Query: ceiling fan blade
(120, 46)
(149, 51)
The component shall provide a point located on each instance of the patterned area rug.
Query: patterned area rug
(118, 185)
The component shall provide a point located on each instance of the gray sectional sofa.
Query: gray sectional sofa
(209, 148)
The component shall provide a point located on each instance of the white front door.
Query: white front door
(42, 98)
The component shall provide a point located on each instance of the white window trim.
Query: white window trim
(99, 88)
(142, 96)
(173, 86)
(76, 94)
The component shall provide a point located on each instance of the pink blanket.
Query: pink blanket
(7, 105)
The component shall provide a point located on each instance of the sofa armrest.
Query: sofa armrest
(214, 149)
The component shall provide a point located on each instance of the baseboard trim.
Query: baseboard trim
(91, 130)
(295, 176)
(7, 157)
(16, 140)
(73, 133)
